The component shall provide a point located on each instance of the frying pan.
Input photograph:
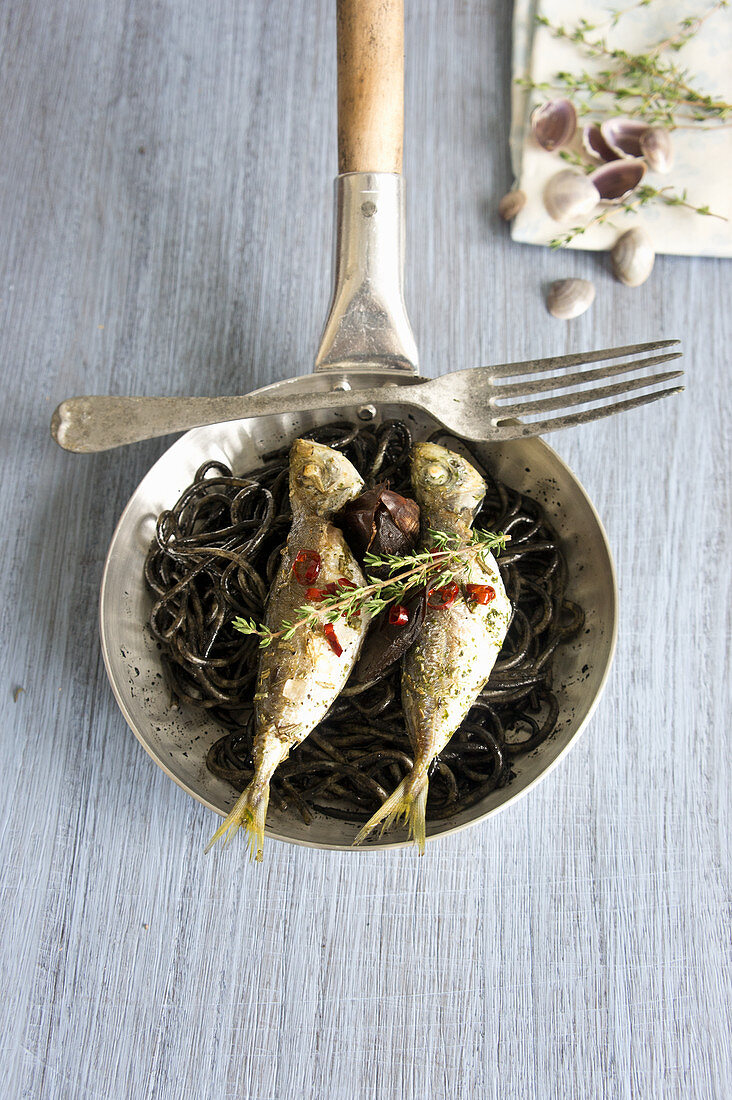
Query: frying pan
(367, 341)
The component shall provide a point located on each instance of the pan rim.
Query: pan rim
(381, 844)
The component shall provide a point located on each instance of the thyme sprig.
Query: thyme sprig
(402, 576)
(641, 197)
(649, 85)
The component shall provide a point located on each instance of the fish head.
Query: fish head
(322, 480)
(444, 481)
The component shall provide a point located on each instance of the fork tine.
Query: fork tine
(583, 396)
(535, 366)
(539, 427)
(564, 381)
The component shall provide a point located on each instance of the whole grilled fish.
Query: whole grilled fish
(300, 677)
(449, 664)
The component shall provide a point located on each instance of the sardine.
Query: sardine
(300, 677)
(448, 666)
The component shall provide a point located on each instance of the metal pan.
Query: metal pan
(367, 341)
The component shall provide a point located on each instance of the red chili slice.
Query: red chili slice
(398, 615)
(306, 566)
(334, 587)
(440, 598)
(481, 593)
(333, 642)
(317, 595)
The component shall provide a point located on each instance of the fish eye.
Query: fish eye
(321, 470)
(311, 469)
(315, 475)
(436, 474)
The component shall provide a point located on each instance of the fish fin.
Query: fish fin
(409, 800)
(249, 812)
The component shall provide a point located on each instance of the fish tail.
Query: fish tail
(249, 812)
(409, 800)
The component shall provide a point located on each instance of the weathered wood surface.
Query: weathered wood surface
(165, 211)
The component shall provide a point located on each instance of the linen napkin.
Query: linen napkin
(702, 157)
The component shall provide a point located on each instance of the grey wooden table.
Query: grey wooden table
(165, 209)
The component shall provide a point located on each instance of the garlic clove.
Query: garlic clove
(632, 256)
(657, 149)
(623, 135)
(615, 181)
(568, 298)
(511, 203)
(569, 194)
(595, 145)
(553, 124)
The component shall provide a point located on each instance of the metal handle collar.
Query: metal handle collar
(367, 326)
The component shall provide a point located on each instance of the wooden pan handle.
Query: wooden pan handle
(370, 85)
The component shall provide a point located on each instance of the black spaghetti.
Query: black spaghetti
(214, 557)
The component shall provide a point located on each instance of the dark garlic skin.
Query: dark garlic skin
(300, 677)
(449, 664)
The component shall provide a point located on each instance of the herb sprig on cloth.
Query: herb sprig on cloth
(649, 85)
(644, 195)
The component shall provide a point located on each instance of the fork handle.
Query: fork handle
(370, 85)
(86, 425)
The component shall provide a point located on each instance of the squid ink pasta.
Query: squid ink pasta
(214, 557)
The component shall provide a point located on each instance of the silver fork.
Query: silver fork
(477, 404)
